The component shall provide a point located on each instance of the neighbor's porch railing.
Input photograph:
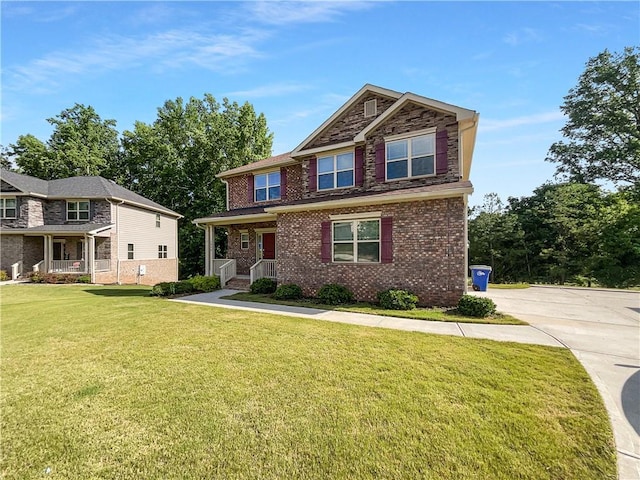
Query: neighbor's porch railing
(16, 270)
(227, 271)
(38, 266)
(68, 266)
(263, 268)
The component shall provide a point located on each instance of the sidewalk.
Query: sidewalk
(508, 333)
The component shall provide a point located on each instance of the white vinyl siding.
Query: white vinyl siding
(138, 227)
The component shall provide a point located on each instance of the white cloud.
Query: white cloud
(523, 35)
(526, 120)
(280, 13)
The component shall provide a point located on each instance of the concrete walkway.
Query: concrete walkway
(510, 333)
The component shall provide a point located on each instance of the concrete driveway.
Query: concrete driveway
(602, 329)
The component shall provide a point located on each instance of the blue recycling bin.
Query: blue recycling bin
(480, 277)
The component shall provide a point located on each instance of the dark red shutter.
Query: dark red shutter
(250, 188)
(386, 239)
(359, 166)
(283, 183)
(442, 163)
(313, 174)
(380, 162)
(326, 242)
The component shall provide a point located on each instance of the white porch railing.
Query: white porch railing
(68, 266)
(38, 266)
(102, 265)
(227, 271)
(263, 268)
(217, 265)
(16, 270)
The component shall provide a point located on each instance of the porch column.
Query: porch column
(207, 252)
(213, 246)
(48, 252)
(90, 258)
(85, 250)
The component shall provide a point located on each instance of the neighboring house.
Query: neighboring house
(375, 198)
(86, 225)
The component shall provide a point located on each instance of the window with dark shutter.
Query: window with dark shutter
(380, 166)
(326, 242)
(386, 236)
(442, 164)
(313, 174)
(359, 166)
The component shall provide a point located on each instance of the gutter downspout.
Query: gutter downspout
(117, 236)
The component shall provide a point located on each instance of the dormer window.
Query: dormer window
(267, 186)
(77, 209)
(8, 208)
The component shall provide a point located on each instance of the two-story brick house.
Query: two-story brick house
(86, 225)
(374, 198)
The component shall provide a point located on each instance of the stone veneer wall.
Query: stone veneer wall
(30, 213)
(245, 258)
(428, 252)
(55, 212)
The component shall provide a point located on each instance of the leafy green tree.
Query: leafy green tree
(175, 160)
(5, 158)
(81, 144)
(603, 125)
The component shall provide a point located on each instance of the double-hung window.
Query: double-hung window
(267, 186)
(130, 251)
(335, 171)
(8, 208)
(411, 157)
(356, 241)
(78, 210)
(244, 241)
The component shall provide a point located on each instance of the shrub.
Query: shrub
(201, 283)
(473, 306)
(35, 277)
(335, 294)
(288, 291)
(3, 276)
(84, 279)
(393, 299)
(165, 289)
(263, 285)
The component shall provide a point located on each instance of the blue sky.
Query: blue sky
(298, 62)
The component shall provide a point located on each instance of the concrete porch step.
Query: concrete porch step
(239, 283)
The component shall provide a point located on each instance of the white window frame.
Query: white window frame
(77, 210)
(408, 138)
(267, 186)
(157, 220)
(335, 171)
(4, 208)
(244, 239)
(354, 229)
(130, 251)
(163, 251)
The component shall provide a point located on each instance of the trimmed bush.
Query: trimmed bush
(473, 306)
(288, 291)
(263, 285)
(335, 294)
(201, 283)
(84, 279)
(166, 289)
(394, 299)
(3, 276)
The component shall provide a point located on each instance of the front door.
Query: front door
(269, 246)
(58, 250)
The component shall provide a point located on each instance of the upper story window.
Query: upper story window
(335, 171)
(410, 157)
(266, 186)
(78, 210)
(356, 241)
(8, 208)
(130, 251)
(157, 220)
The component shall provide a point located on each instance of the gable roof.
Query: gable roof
(93, 187)
(276, 161)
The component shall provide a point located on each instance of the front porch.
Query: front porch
(226, 269)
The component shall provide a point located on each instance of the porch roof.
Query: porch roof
(91, 228)
(269, 212)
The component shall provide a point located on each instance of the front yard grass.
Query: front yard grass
(107, 382)
(434, 314)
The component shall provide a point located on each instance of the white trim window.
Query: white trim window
(244, 241)
(162, 251)
(130, 251)
(356, 241)
(77, 209)
(335, 171)
(411, 157)
(267, 186)
(158, 221)
(8, 208)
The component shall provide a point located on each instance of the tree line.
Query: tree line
(573, 230)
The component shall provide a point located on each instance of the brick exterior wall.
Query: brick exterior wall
(428, 252)
(10, 251)
(158, 270)
(239, 189)
(245, 258)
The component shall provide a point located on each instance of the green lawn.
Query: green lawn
(434, 314)
(106, 382)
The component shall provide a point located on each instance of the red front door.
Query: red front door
(269, 246)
